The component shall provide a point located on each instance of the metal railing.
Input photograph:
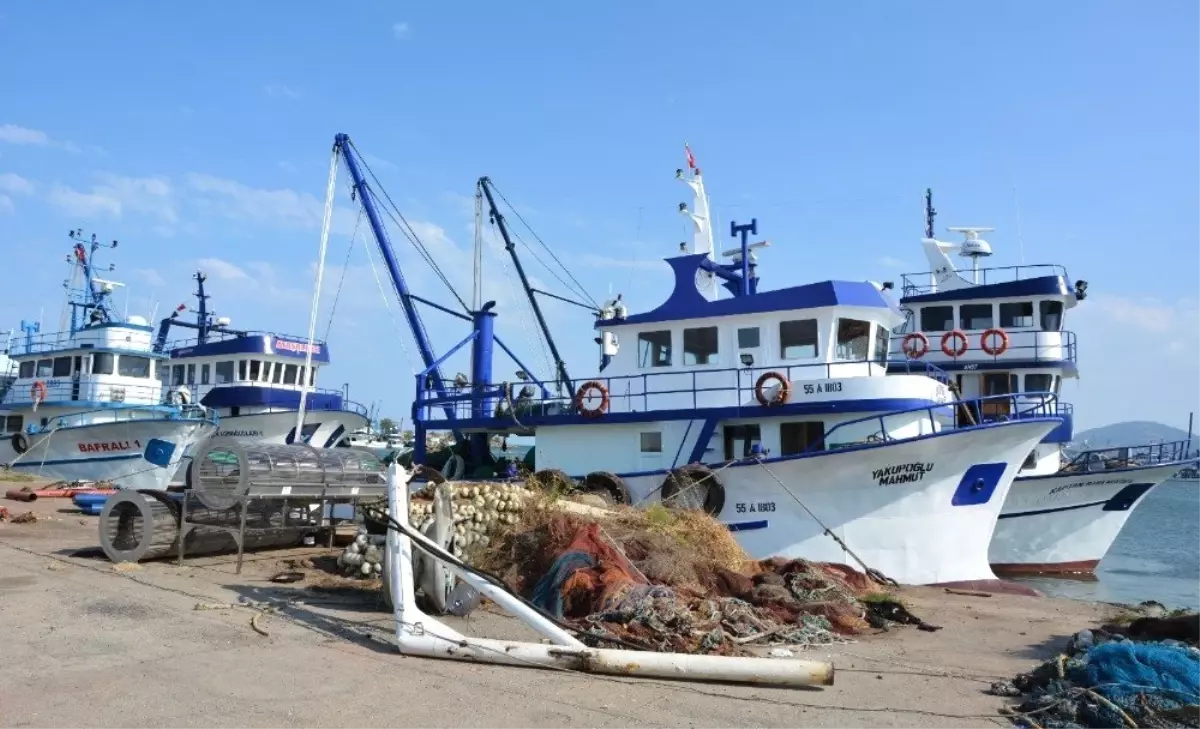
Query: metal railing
(1063, 349)
(632, 393)
(67, 389)
(1118, 457)
(217, 335)
(125, 415)
(998, 274)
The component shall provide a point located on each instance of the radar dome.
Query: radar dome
(137, 320)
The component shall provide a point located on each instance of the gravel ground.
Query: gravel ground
(86, 645)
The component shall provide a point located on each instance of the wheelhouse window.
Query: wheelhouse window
(223, 373)
(130, 366)
(255, 370)
(937, 318)
(1016, 315)
(191, 374)
(177, 375)
(26, 370)
(266, 372)
(277, 373)
(62, 366)
(289, 374)
(651, 442)
(800, 437)
(14, 423)
(748, 338)
(163, 372)
(103, 363)
(1051, 315)
(45, 368)
(882, 337)
(853, 339)
(654, 349)
(312, 377)
(204, 372)
(798, 339)
(241, 370)
(975, 317)
(1039, 382)
(700, 346)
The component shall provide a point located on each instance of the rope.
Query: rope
(391, 315)
(330, 190)
(338, 294)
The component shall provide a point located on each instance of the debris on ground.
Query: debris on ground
(27, 518)
(677, 580)
(1114, 679)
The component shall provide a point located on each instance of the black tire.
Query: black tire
(20, 443)
(608, 486)
(698, 477)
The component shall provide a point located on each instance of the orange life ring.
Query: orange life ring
(781, 397)
(914, 352)
(37, 391)
(963, 344)
(986, 338)
(584, 390)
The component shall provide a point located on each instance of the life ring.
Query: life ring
(455, 468)
(781, 396)
(995, 350)
(694, 486)
(608, 486)
(584, 392)
(913, 352)
(963, 344)
(37, 392)
(20, 443)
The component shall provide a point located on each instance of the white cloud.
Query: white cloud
(6, 204)
(237, 201)
(116, 195)
(14, 134)
(401, 30)
(281, 91)
(889, 262)
(15, 184)
(149, 276)
(84, 204)
(221, 269)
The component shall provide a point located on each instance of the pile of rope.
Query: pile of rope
(1106, 679)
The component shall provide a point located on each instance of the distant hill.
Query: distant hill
(1133, 432)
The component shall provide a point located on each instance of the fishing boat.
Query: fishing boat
(1000, 332)
(771, 410)
(84, 404)
(253, 380)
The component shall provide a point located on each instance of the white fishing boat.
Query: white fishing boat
(999, 331)
(253, 380)
(772, 410)
(84, 404)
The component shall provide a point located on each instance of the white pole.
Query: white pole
(312, 320)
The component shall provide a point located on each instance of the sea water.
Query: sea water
(1156, 556)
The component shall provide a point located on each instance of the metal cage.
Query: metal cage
(224, 472)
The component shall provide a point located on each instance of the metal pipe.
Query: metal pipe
(19, 495)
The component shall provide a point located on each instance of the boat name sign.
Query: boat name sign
(1084, 484)
(901, 473)
(110, 446)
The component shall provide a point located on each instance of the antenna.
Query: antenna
(973, 246)
(930, 213)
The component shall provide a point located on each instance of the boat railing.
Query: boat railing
(65, 390)
(61, 341)
(124, 415)
(916, 284)
(1054, 347)
(1118, 457)
(968, 412)
(217, 335)
(684, 388)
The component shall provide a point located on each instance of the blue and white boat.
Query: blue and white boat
(253, 380)
(772, 410)
(85, 404)
(1000, 333)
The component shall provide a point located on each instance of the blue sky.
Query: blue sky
(199, 135)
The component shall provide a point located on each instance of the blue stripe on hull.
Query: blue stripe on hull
(72, 461)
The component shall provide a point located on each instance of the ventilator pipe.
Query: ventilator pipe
(423, 635)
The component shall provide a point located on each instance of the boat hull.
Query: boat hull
(1065, 524)
(921, 510)
(131, 454)
(327, 428)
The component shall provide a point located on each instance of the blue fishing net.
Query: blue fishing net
(547, 593)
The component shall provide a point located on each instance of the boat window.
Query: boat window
(241, 370)
(14, 423)
(651, 442)
(26, 370)
(177, 375)
(1016, 314)
(882, 336)
(853, 339)
(937, 318)
(223, 372)
(266, 371)
(289, 374)
(255, 370)
(1051, 312)
(1039, 382)
(1057, 384)
(204, 368)
(45, 367)
(277, 373)
(700, 346)
(131, 366)
(162, 371)
(999, 384)
(800, 437)
(191, 374)
(975, 317)
(312, 377)
(103, 363)
(798, 339)
(748, 338)
(300, 379)
(741, 439)
(654, 349)
(62, 366)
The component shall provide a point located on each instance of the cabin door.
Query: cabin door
(740, 440)
(968, 391)
(998, 383)
(76, 370)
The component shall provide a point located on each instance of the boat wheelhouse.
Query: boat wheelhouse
(85, 404)
(254, 380)
(1000, 331)
(772, 410)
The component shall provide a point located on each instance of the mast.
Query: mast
(701, 217)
